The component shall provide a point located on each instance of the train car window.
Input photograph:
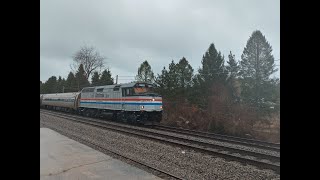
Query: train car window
(88, 90)
(150, 85)
(100, 90)
(99, 95)
(131, 91)
(140, 85)
(116, 88)
(128, 92)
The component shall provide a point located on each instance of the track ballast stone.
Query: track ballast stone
(181, 162)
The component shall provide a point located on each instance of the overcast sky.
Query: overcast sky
(128, 32)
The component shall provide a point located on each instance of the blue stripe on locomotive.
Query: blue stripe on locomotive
(129, 103)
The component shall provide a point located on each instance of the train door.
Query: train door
(99, 96)
(123, 104)
(118, 103)
(127, 93)
(77, 101)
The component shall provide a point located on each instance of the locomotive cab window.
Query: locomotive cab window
(116, 88)
(144, 89)
(100, 90)
(88, 90)
(128, 92)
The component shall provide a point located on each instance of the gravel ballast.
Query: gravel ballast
(175, 160)
(216, 142)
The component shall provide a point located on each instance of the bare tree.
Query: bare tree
(89, 58)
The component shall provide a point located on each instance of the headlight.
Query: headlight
(160, 107)
(142, 107)
(152, 99)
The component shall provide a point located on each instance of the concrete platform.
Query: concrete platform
(63, 158)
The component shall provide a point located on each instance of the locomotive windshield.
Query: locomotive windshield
(141, 89)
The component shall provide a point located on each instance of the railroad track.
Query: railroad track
(260, 160)
(220, 137)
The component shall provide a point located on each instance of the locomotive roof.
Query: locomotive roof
(70, 94)
(128, 85)
(119, 85)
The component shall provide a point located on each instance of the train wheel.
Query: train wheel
(114, 116)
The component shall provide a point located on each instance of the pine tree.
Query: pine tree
(257, 64)
(145, 73)
(161, 82)
(106, 78)
(71, 84)
(184, 77)
(95, 80)
(172, 76)
(185, 73)
(212, 72)
(212, 66)
(197, 97)
(81, 78)
(50, 86)
(232, 67)
(176, 82)
(59, 85)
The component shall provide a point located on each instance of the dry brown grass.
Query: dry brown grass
(222, 116)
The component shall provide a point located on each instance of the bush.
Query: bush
(223, 115)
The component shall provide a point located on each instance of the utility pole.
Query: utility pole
(62, 89)
(117, 79)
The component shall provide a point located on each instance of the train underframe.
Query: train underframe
(131, 117)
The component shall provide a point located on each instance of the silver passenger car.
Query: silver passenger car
(61, 100)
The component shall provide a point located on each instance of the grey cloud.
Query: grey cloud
(128, 32)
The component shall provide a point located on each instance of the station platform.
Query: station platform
(63, 158)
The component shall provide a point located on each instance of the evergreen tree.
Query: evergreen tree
(212, 72)
(81, 78)
(145, 73)
(106, 78)
(257, 64)
(232, 67)
(59, 85)
(172, 76)
(233, 72)
(71, 84)
(197, 92)
(184, 73)
(184, 77)
(212, 66)
(95, 80)
(161, 82)
(50, 86)
(176, 82)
